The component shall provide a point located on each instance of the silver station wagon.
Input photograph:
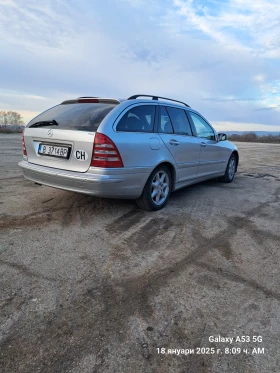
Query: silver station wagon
(140, 149)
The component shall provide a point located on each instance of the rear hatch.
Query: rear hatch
(63, 136)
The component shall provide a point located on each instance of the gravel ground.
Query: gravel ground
(97, 285)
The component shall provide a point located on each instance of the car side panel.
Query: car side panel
(213, 155)
(185, 150)
(213, 158)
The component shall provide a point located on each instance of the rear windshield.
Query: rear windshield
(75, 116)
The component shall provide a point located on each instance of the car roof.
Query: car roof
(156, 98)
(132, 99)
(147, 101)
(127, 103)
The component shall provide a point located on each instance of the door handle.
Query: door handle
(203, 144)
(174, 142)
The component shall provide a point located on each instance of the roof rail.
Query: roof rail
(92, 100)
(156, 98)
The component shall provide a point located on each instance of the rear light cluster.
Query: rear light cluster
(105, 153)
(23, 143)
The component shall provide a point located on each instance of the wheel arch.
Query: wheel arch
(235, 152)
(144, 201)
(172, 170)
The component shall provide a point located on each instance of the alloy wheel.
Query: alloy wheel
(160, 187)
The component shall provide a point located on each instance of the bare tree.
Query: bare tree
(253, 137)
(11, 118)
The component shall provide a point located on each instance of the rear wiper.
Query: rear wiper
(45, 123)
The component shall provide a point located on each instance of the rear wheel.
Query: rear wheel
(157, 190)
(230, 170)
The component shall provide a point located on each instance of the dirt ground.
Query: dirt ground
(97, 285)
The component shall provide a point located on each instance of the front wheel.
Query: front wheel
(230, 170)
(156, 191)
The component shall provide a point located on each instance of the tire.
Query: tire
(157, 190)
(230, 170)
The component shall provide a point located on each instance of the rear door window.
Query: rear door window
(179, 121)
(74, 116)
(165, 125)
(138, 119)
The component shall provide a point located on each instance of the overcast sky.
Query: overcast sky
(221, 57)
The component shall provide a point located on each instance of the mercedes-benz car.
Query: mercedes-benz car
(142, 148)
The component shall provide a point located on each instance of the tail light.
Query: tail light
(105, 153)
(23, 143)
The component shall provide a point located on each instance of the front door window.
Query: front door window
(203, 129)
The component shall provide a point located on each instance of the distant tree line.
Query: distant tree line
(11, 121)
(253, 137)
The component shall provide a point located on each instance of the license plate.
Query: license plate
(54, 151)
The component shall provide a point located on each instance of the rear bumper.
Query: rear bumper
(109, 183)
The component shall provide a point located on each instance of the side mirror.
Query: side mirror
(222, 136)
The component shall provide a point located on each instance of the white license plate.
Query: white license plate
(53, 151)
